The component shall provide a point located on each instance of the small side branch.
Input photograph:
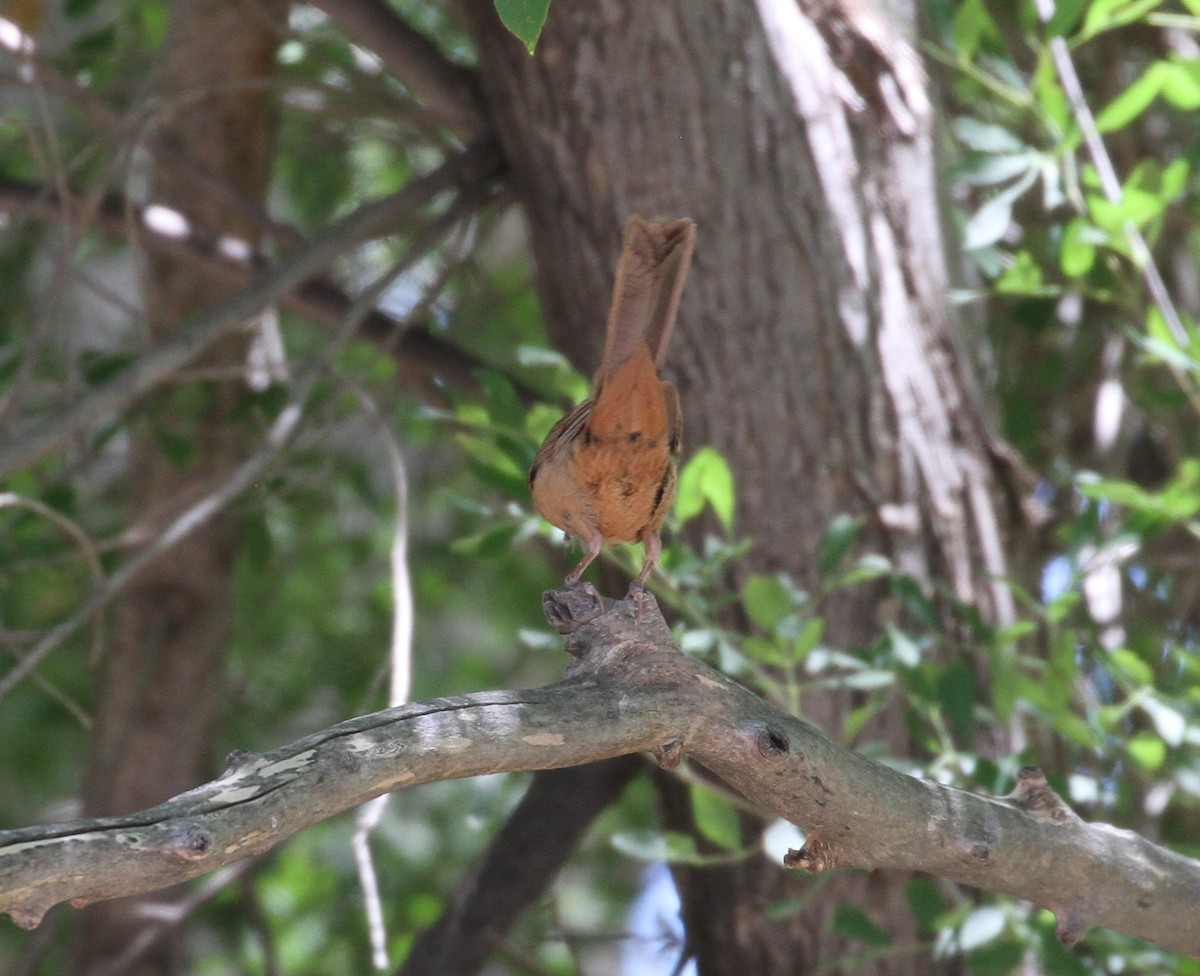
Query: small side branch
(629, 689)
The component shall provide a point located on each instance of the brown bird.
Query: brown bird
(606, 471)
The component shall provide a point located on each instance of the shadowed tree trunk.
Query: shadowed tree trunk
(161, 683)
(815, 348)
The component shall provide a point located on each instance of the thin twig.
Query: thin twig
(72, 528)
(245, 476)
(400, 685)
(1109, 181)
(40, 72)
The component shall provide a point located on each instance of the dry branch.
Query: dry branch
(630, 689)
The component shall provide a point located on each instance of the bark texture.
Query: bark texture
(161, 682)
(630, 689)
(815, 348)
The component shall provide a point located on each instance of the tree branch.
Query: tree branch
(448, 90)
(630, 690)
(378, 217)
(426, 362)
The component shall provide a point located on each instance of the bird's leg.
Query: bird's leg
(592, 543)
(653, 543)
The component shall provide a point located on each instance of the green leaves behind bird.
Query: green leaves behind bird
(525, 18)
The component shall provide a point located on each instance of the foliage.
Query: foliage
(524, 18)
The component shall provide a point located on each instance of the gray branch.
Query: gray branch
(630, 689)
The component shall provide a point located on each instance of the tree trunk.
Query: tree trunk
(161, 683)
(815, 348)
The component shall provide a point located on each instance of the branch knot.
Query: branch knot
(189, 842)
(772, 743)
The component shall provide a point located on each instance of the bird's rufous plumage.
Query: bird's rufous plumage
(606, 472)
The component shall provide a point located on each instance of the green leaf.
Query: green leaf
(908, 592)
(766, 600)
(510, 485)
(1105, 15)
(764, 651)
(267, 402)
(839, 537)
(539, 419)
(706, 478)
(1181, 85)
(525, 18)
(870, 567)
(493, 541)
(1131, 665)
(905, 650)
(1147, 750)
(1003, 957)
(493, 465)
(1077, 252)
(1134, 100)
(75, 9)
(1144, 196)
(1075, 729)
(99, 367)
(177, 448)
(716, 818)
(1161, 342)
(851, 922)
(1173, 180)
(809, 637)
(957, 694)
(1066, 16)
(926, 903)
(972, 26)
(1022, 277)
(991, 169)
(989, 223)
(986, 138)
(1048, 93)
(502, 399)
(366, 361)
(1177, 502)
(1003, 680)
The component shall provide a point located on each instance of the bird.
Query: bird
(607, 471)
